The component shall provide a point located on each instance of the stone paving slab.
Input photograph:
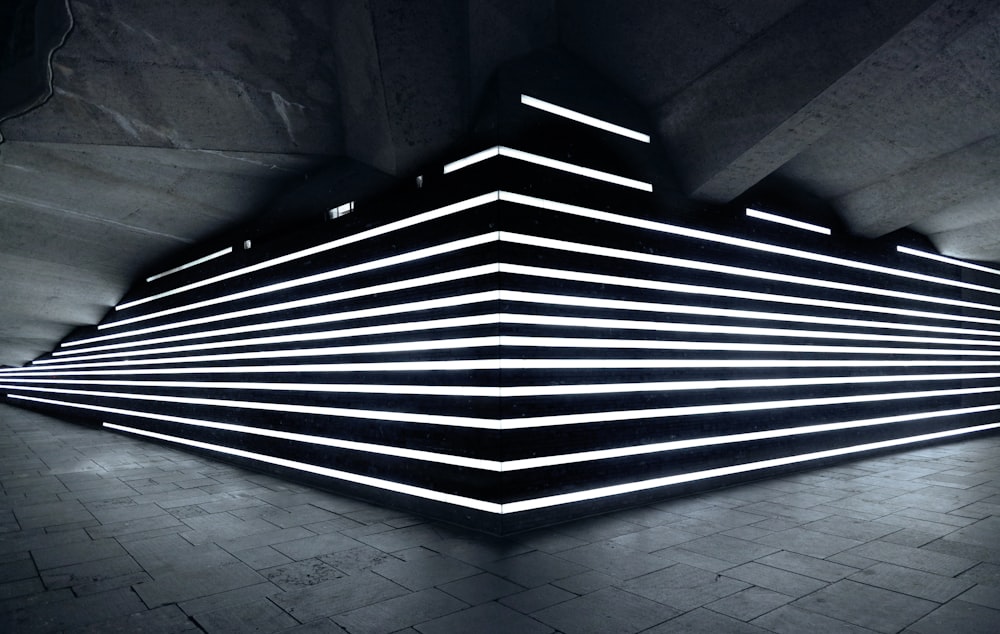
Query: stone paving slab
(105, 533)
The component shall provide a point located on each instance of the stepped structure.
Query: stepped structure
(531, 333)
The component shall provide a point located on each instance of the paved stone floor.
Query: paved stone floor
(103, 533)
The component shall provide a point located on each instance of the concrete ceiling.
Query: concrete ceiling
(133, 130)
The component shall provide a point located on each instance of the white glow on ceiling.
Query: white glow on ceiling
(583, 118)
(358, 237)
(210, 256)
(798, 224)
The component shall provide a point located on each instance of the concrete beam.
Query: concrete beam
(799, 79)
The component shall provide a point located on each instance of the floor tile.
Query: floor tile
(684, 587)
(703, 621)
(874, 608)
(789, 619)
(915, 583)
(748, 604)
(400, 612)
(958, 616)
(425, 572)
(489, 618)
(337, 596)
(607, 610)
(257, 616)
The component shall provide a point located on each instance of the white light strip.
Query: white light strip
(381, 311)
(481, 364)
(377, 415)
(358, 237)
(663, 260)
(324, 388)
(350, 445)
(679, 309)
(718, 291)
(674, 327)
(643, 485)
(798, 224)
(388, 485)
(520, 423)
(660, 227)
(727, 408)
(947, 260)
(545, 161)
(583, 118)
(698, 443)
(210, 256)
(518, 391)
(412, 256)
(429, 280)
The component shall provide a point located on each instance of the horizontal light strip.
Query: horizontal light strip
(660, 227)
(672, 327)
(663, 260)
(210, 256)
(680, 309)
(644, 485)
(518, 391)
(718, 291)
(728, 408)
(377, 415)
(698, 443)
(427, 216)
(545, 161)
(481, 364)
(381, 311)
(798, 224)
(388, 485)
(429, 280)
(412, 256)
(433, 324)
(583, 118)
(384, 450)
(520, 423)
(947, 260)
(325, 388)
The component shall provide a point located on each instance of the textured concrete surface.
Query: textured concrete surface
(100, 532)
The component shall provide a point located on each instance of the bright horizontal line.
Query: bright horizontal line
(350, 445)
(717, 291)
(668, 308)
(660, 227)
(358, 237)
(672, 327)
(519, 391)
(429, 280)
(697, 443)
(407, 489)
(545, 161)
(632, 487)
(947, 260)
(663, 260)
(210, 256)
(378, 415)
(798, 224)
(583, 118)
(484, 364)
(412, 256)
(727, 408)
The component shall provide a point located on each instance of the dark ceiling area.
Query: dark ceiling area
(134, 130)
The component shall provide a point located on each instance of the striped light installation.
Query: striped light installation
(506, 355)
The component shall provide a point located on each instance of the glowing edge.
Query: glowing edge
(364, 235)
(798, 224)
(545, 161)
(210, 256)
(406, 489)
(633, 487)
(946, 260)
(583, 118)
